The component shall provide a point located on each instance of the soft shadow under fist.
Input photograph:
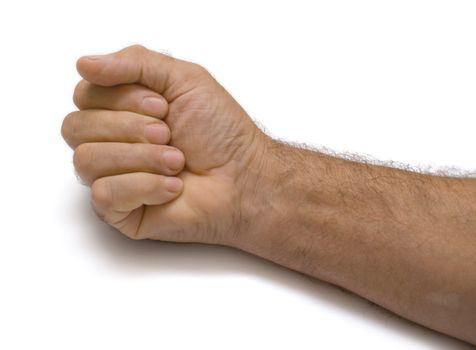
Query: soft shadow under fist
(218, 139)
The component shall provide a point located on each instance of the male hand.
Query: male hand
(129, 189)
(401, 239)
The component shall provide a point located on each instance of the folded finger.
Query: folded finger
(129, 97)
(116, 198)
(96, 160)
(98, 125)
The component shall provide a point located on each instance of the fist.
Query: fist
(167, 151)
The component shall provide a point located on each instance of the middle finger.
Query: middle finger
(98, 125)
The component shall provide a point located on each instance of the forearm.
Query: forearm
(403, 240)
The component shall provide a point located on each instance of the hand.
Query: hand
(218, 139)
(403, 240)
(122, 152)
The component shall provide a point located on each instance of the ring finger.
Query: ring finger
(97, 160)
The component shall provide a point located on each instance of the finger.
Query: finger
(96, 125)
(96, 160)
(136, 64)
(115, 198)
(129, 97)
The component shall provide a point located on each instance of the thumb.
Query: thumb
(134, 64)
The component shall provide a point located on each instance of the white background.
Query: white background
(392, 79)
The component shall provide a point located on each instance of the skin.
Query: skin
(171, 156)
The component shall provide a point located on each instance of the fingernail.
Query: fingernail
(173, 184)
(153, 106)
(173, 159)
(157, 133)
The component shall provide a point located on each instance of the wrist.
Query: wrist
(280, 205)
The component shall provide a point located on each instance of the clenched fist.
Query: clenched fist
(164, 147)
(172, 156)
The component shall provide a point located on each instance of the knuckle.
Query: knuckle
(198, 69)
(135, 49)
(67, 127)
(78, 94)
(82, 157)
(101, 194)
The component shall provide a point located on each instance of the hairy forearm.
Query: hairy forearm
(404, 240)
